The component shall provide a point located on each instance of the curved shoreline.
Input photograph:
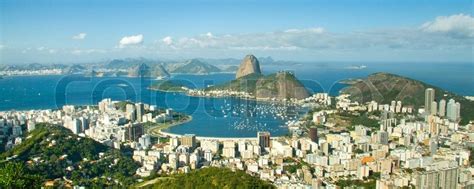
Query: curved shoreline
(156, 130)
(221, 139)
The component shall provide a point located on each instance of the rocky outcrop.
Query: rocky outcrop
(280, 85)
(249, 65)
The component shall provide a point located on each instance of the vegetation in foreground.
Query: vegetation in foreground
(53, 152)
(208, 178)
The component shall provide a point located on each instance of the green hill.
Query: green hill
(210, 178)
(168, 86)
(54, 152)
(281, 85)
(385, 87)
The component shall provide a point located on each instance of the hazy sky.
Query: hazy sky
(86, 30)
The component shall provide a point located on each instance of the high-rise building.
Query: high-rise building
(105, 105)
(31, 125)
(140, 111)
(458, 110)
(429, 97)
(16, 131)
(313, 134)
(452, 110)
(442, 108)
(133, 131)
(188, 140)
(382, 137)
(263, 139)
(84, 123)
(208, 155)
(131, 112)
(174, 142)
(145, 141)
(443, 178)
(75, 126)
(434, 108)
(433, 146)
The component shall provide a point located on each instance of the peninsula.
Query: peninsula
(249, 83)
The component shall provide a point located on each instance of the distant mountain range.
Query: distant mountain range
(193, 66)
(150, 68)
(134, 67)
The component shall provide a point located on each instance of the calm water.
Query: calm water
(222, 117)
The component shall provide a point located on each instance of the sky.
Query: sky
(77, 31)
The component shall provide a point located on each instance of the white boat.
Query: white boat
(161, 77)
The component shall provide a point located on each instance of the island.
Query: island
(350, 81)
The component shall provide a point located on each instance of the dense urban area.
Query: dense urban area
(339, 143)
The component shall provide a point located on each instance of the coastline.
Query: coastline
(267, 100)
(156, 130)
(220, 139)
(166, 91)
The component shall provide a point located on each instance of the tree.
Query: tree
(15, 175)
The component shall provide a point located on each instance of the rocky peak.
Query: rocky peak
(248, 66)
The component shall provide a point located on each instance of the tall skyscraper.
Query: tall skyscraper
(442, 108)
(263, 139)
(429, 97)
(133, 132)
(313, 134)
(75, 126)
(131, 112)
(452, 110)
(140, 111)
(434, 108)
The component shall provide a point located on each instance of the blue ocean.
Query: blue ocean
(219, 117)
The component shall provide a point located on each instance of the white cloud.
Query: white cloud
(131, 40)
(458, 25)
(167, 40)
(52, 51)
(40, 48)
(79, 36)
(317, 39)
